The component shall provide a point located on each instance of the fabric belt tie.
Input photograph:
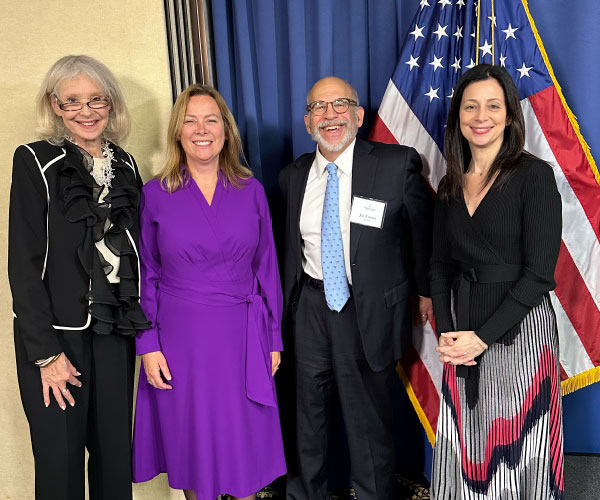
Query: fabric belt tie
(259, 379)
(260, 387)
(498, 273)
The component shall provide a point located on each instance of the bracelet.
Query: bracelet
(41, 363)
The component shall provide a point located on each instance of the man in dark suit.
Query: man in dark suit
(358, 243)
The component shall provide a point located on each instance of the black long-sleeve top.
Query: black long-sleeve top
(519, 224)
(50, 261)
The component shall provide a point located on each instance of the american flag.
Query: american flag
(447, 38)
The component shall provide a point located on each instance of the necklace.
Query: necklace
(104, 174)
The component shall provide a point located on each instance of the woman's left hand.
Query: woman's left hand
(275, 361)
(460, 348)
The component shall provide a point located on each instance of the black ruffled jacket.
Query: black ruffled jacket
(57, 277)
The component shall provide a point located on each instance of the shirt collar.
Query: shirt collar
(343, 162)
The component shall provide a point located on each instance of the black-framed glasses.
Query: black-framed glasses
(340, 105)
(95, 103)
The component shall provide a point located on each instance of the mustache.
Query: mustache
(333, 123)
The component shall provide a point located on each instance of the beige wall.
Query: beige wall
(129, 37)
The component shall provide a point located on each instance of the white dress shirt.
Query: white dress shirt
(312, 211)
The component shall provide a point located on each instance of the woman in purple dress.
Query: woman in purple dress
(206, 408)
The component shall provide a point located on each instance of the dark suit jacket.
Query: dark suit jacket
(388, 265)
(48, 283)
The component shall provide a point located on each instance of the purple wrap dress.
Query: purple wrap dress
(210, 286)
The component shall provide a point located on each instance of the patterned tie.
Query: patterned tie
(332, 250)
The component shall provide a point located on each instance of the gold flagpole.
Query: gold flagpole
(477, 39)
(493, 37)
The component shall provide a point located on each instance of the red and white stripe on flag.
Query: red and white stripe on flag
(552, 133)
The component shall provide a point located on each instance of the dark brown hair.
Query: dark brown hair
(457, 151)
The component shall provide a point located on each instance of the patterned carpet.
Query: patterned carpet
(408, 489)
(582, 481)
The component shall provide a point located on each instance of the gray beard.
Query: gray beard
(351, 131)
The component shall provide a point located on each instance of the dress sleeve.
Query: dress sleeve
(150, 271)
(442, 271)
(264, 266)
(418, 215)
(27, 251)
(542, 226)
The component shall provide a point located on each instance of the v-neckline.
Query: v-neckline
(213, 206)
(464, 202)
(215, 193)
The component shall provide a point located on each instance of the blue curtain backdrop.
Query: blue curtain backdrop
(269, 53)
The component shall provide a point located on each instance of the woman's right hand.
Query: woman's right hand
(155, 366)
(460, 348)
(55, 376)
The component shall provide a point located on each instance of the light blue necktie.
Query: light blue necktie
(332, 250)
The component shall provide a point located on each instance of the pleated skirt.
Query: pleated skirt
(506, 442)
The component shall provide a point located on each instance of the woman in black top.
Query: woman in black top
(497, 235)
(73, 270)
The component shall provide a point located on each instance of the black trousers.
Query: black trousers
(100, 420)
(330, 359)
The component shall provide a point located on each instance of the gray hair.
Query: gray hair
(51, 127)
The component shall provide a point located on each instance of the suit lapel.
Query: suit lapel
(299, 187)
(364, 169)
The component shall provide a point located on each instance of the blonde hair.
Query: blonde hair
(172, 176)
(51, 127)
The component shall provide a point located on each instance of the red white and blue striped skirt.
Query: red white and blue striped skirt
(505, 442)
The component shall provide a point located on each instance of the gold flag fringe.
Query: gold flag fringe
(415, 402)
(572, 117)
(580, 380)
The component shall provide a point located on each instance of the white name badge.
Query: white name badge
(367, 211)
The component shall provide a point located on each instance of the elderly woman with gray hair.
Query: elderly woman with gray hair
(74, 273)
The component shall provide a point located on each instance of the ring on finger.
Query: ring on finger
(64, 390)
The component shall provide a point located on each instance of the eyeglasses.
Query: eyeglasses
(340, 105)
(95, 103)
